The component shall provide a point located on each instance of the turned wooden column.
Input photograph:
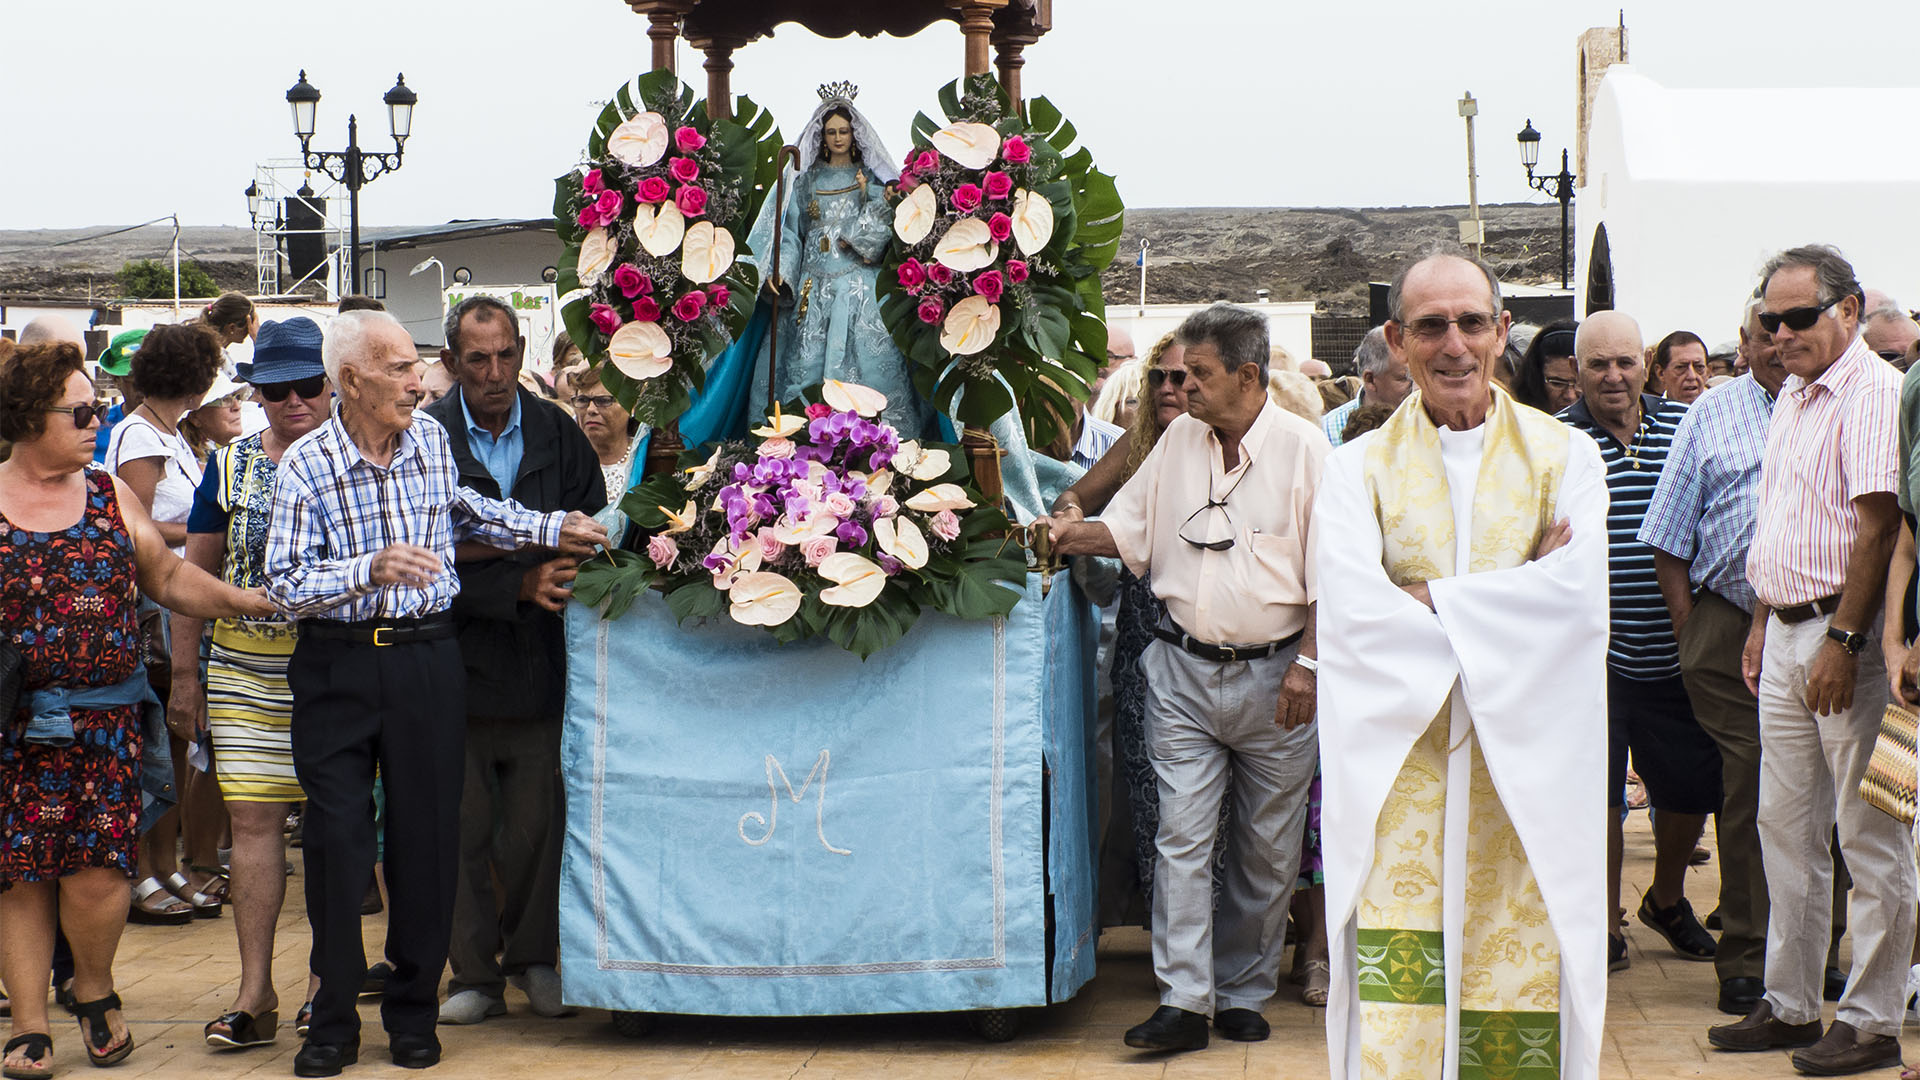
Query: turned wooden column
(976, 23)
(664, 30)
(1011, 58)
(719, 67)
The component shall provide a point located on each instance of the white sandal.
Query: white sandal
(204, 906)
(151, 915)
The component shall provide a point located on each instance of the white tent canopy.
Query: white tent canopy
(1695, 189)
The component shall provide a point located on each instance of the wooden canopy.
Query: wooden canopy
(718, 27)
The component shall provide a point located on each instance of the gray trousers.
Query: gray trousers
(1810, 770)
(511, 815)
(1203, 717)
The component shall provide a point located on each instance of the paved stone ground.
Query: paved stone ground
(176, 979)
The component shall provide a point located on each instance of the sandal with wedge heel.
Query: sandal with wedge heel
(98, 1035)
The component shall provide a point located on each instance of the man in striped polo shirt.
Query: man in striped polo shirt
(1648, 712)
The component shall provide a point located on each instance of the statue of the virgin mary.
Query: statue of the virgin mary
(834, 232)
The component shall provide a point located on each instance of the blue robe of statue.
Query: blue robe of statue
(832, 239)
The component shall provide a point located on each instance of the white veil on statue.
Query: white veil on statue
(873, 153)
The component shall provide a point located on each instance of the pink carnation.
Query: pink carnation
(945, 525)
(999, 185)
(691, 199)
(603, 318)
(989, 285)
(1016, 271)
(663, 550)
(655, 189)
(689, 307)
(646, 309)
(688, 140)
(966, 198)
(912, 275)
(591, 183)
(684, 169)
(816, 550)
(940, 274)
(717, 295)
(1000, 227)
(631, 281)
(1016, 150)
(930, 311)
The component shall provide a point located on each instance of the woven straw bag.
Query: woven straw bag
(1890, 781)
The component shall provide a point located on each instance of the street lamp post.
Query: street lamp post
(1561, 189)
(352, 167)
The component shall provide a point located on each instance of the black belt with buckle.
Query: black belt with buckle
(1800, 613)
(1220, 654)
(379, 631)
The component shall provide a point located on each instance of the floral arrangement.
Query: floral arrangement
(993, 284)
(649, 281)
(825, 522)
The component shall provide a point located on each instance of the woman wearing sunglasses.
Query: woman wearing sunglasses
(77, 546)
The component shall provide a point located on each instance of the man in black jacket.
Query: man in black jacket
(508, 442)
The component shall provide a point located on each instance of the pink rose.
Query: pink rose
(840, 505)
(966, 198)
(777, 447)
(816, 550)
(688, 140)
(629, 280)
(989, 285)
(608, 205)
(591, 183)
(885, 507)
(999, 185)
(603, 318)
(684, 169)
(655, 189)
(689, 307)
(945, 525)
(1000, 226)
(1016, 150)
(907, 183)
(1016, 271)
(911, 274)
(819, 410)
(718, 295)
(588, 217)
(770, 548)
(663, 550)
(646, 309)
(691, 199)
(927, 161)
(940, 274)
(930, 311)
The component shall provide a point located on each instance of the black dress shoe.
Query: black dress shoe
(1242, 1025)
(414, 1051)
(1835, 984)
(1740, 994)
(325, 1059)
(1170, 1029)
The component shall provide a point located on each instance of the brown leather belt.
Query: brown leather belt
(1800, 613)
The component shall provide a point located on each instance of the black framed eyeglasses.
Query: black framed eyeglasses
(83, 415)
(1159, 375)
(583, 402)
(1892, 356)
(1473, 324)
(276, 392)
(1796, 319)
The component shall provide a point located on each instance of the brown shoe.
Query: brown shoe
(1761, 1031)
(1846, 1049)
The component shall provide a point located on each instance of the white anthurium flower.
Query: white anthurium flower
(780, 425)
(852, 397)
(793, 534)
(1032, 221)
(970, 145)
(879, 483)
(698, 474)
(970, 326)
(705, 253)
(682, 521)
(858, 580)
(596, 254)
(640, 351)
(913, 219)
(931, 464)
(639, 141)
(899, 537)
(940, 497)
(967, 246)
(763, 598)
(659, 229)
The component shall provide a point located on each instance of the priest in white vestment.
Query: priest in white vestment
(1461, 556)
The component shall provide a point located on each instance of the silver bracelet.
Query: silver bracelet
(1308, 662)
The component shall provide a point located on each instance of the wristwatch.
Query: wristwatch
(1850, 640)
(1308, 662)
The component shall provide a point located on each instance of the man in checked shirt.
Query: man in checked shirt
(366, 513)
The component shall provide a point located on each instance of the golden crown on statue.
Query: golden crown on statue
(844, 90)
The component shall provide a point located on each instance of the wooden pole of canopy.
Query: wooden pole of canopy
(719, 67)
(976, 23)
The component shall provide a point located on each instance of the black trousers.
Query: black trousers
(401, 708)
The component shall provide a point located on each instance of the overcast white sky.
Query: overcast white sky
(116, 111)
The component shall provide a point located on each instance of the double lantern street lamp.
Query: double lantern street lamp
(1562, 189)
(353, 167)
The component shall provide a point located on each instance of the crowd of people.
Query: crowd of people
(1347, 617)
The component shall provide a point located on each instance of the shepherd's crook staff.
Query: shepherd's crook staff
(779, 219)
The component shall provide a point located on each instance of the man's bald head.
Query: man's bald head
(1120, 348)
(48, 329)
(1607, 331)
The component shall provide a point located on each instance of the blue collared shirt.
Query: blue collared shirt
(1708, 499)
(499, 455)
(1335, 422)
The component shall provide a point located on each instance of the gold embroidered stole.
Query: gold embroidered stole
(1510, 958)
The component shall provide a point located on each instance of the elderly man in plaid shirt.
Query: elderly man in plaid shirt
(366, 511)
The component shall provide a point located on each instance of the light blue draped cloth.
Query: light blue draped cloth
(759, 829)
(50, 708)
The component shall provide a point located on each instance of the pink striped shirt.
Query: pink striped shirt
(1831, 441)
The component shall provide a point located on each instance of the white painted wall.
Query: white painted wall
(1289, 324)
(502, 259)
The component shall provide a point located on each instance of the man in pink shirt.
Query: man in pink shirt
(1827, 524)
(1219, 514)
